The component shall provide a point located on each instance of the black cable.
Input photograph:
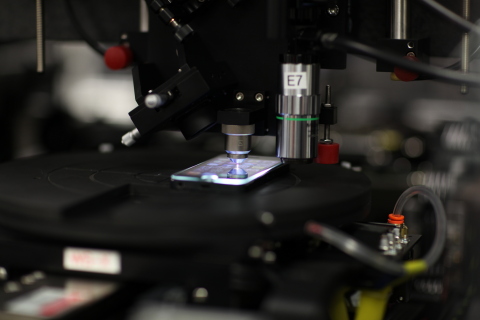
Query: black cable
(474, 55)
(373, 258)
(78, 26)
(466, 25)
(333, 40)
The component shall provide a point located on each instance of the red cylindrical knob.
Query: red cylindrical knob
(328, 153)
(406, 75)
(118, 57)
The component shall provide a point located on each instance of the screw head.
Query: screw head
(411, 54)
(200, 295)
(255, 252)
(3, 273)
(259, 97)
(152, 101)
(267, 218)
(11, 287)
(269, 257)
(239, 96)
(28, 279)
(333, 11)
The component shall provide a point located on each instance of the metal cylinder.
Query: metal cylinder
(238, 141)
(298, 110)
(465, 62)
(40, 37)
(399, 27)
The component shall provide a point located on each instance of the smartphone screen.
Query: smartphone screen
(220, 170)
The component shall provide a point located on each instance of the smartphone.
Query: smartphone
(221, 174)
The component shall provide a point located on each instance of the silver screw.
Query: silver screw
(39, 275)
(267, 218)
(411, 54)
(333, 11)
(391, 245)
(11, 287)
(259, 97)
(129, 138)
(255, 252)
(383, 243)
(239, 96)
(124, 36)
(153, 100)
(28, 279)
(3, 273)
(346, 165)
(269, 257)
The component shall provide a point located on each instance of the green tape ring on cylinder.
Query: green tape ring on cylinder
(297, 119)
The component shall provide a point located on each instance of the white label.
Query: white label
(90, 260)
(295, 80)
(31, 304)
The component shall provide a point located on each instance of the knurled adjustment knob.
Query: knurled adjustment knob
(406, 75)
(118, 57)
(327, 153)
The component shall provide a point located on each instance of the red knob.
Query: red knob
(328, 153)
(396, 218)
(118, 57)
(406, 75)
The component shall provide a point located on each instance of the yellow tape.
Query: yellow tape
(414, 267)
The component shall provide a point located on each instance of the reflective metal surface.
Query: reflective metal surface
(298, 110)
(399, 29)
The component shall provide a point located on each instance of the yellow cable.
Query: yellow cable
(373, 304)
(414, 267)
(338, 308)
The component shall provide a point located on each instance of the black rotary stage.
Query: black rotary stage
(125, 199)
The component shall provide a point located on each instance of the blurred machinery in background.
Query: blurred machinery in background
(347, 182)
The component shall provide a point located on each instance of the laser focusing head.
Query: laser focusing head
(238, 141)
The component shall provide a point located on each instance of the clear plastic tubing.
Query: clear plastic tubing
(440, 217)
